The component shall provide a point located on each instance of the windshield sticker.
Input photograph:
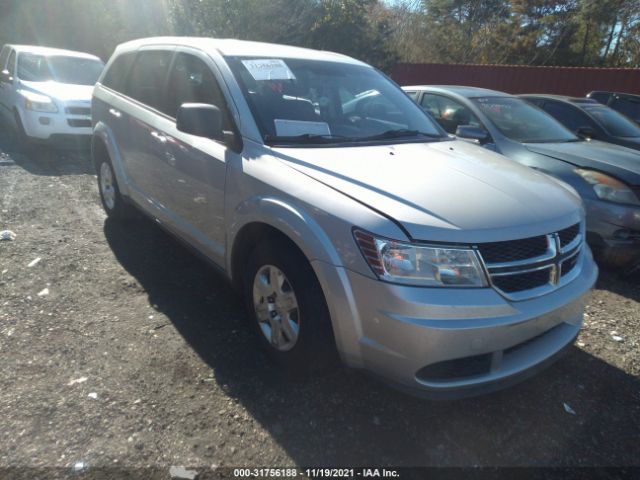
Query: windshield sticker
(294, 128)
(268, 69)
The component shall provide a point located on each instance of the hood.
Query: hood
(449, 191)
(621, 162)
(61, 91)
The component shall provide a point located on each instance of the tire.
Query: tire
(113, 202)
(314, 348)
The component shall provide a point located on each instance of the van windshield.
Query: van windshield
(298, 101)
(58, 68)
(520, 121)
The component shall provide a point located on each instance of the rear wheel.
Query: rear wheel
(112, 201)
(287, 309)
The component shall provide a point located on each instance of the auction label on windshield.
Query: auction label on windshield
(268, 69)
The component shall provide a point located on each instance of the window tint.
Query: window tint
(115, 77)
(520, 121)
(11, 66)
(147, 76)
(191, 81)
(567, 115)
(613, 122)
(449, 113)
(628, 107)
(4, 54)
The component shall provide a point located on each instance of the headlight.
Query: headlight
(411, 264)
(38, 103)
(609, 188)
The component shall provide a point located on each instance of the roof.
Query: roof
(48, 51)
(242, 48)
(461, 90)
(562, 98)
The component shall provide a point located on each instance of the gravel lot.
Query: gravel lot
(139, 356)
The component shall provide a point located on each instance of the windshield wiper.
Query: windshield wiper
(399, 133)
(305, 138)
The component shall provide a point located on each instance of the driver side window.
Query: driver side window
(448, 113)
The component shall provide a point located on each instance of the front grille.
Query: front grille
(568, 235)
(78, 122)
(78, 110)
(519, 266)
(568, 265)
(522, 281)
(500, 252)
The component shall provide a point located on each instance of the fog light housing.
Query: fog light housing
(44, 120)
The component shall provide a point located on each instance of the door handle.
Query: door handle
(159, 137)
(115, 113)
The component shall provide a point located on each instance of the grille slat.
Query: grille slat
(78, 122)
(510, 251)
(568, 235)
(78, 110)
(522, 281)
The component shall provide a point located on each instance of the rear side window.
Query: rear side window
(115, 77)
(192, 81)
(147, 76)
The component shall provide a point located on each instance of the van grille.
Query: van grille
(528, 267)
(78, 122)
(78, 110)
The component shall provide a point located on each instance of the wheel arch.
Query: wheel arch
(103, 143)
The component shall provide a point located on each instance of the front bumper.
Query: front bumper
(440, 342)
(51, 126)
(613, 231)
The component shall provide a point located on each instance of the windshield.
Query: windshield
(522, 122)
(613, 122)
(306, 101)
(44, 68)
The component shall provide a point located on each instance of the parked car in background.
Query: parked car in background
(589, 119)
(345, 215)
(625, 103)
(606, 176)
(46, 92)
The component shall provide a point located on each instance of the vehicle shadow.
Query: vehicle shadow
(43, 159)
(619, 283)
(580, 412)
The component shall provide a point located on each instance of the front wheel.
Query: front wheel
(288, 310)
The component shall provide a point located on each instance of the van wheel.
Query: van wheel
(287, 309)
(112, 201)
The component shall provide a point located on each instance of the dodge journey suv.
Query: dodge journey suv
(352, 225)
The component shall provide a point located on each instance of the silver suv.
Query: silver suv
(353, 226)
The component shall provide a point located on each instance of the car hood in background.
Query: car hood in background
(622, 162)
(61, 91)
(448, 191)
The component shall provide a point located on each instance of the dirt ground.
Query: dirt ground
(139, 356)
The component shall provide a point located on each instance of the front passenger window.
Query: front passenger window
(192, 81)
(449, 113)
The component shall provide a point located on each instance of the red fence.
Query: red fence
(521, 79)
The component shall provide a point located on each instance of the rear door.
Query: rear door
(143, 148)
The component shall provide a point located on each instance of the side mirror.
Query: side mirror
(5, 77)
(469, 132)
(200, 119)
(586, 132)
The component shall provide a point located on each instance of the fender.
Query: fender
(294, 222)
(105, 134)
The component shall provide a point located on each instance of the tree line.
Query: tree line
(603, 33)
